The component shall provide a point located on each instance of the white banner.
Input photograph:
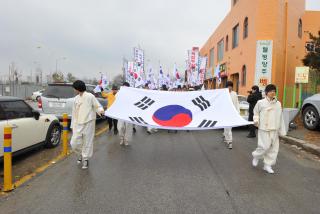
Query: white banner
(131, 67)
(202, 69)
(203, 63)
(263, 63)
(197, 110)
(194, 57)
(138, 56)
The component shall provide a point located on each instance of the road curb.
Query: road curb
(303, 144)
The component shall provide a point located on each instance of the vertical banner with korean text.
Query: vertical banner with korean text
(263, 63)
(202, 70)
(138, 56)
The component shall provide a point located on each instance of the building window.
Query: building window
(220, 50)
(227, 43)
(300, 29)
(211, 62)
(245, 28)
(244, 75)
(235, 36)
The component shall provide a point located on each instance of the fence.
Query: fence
(18, 90)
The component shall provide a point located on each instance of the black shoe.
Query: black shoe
(251, 136)
(148, 132)
(115, 131)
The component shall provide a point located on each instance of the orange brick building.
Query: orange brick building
(284, 24)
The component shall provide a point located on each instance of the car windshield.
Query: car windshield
(59, 91)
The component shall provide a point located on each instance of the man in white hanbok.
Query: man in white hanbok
(228, 131)
(125, 129)
(268, 118)
(84, 110)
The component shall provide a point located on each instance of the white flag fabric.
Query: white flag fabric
(97, 89)
(104, 81)
(196, 110)
(217, 74)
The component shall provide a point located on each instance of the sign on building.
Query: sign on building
(302, 75)
(263, 63)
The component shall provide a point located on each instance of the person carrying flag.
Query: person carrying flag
(228, 131)
(83, 121)
(111, 98)
(125, 129)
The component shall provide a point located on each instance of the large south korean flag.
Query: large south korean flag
(196, 110)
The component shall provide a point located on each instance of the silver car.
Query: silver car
(310, 112)
(58, 99)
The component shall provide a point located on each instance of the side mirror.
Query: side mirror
(36, 114)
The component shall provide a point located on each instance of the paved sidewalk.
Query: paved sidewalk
(304, 138)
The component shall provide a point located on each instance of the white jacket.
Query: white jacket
(268, 116)
(84, 109)
(235, 100)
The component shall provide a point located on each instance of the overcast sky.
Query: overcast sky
(93, 35)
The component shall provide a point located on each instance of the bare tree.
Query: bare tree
(118, 80)
(92, 81)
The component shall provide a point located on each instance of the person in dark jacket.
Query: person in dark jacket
(254, 96)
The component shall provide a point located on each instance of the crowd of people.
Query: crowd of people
(265, 114)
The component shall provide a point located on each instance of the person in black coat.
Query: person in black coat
(254, 96)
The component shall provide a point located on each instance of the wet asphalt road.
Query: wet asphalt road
(173, 173)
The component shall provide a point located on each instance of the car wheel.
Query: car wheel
(310, 118)
(53, 135)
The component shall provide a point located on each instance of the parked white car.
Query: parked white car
(29, 128)
(37, 94)
(244, 107)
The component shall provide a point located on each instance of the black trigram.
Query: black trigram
(207, 123)
(202, 103)
(144, 103)
(138, 120)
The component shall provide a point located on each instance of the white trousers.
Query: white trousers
(268, 147)
(125, 131)
(228, 135)
(82, 139)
